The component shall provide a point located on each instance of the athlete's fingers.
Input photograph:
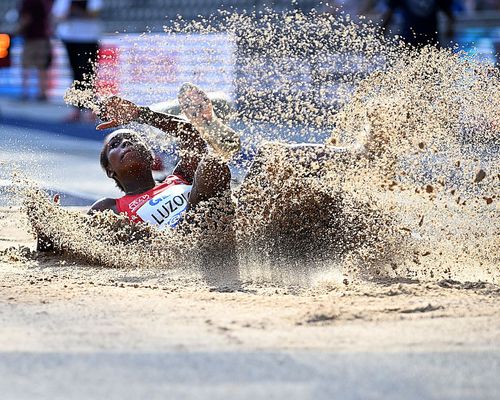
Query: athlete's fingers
(107, 105)
(118, 109)
(106, 125)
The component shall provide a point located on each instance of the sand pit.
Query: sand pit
(386, 249)
(50, 304)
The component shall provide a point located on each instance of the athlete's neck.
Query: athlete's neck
(139, 185)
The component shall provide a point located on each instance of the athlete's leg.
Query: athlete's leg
(212, 177)
(198, 108)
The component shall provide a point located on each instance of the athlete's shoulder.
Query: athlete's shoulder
(103, 205)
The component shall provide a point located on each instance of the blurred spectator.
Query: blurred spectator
(34, 27)
(79, 28)
(487, 5)
(420, 19)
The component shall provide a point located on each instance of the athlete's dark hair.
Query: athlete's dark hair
(103, 158)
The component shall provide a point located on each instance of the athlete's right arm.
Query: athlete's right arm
(103, 205)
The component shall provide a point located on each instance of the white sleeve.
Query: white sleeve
(60, 9)
(94, 5)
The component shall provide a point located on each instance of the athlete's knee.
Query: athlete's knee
(213, 176)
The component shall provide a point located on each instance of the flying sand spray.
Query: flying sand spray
(416, 195)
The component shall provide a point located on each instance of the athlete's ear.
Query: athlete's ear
(110, 173)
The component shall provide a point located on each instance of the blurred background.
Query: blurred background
(46, 44)
(117, 24)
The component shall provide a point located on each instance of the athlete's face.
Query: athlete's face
(125, 153)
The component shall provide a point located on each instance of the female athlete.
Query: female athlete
(205, 144)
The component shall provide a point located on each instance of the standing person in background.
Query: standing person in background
(34, 27)
(420, 20)
(79, 28)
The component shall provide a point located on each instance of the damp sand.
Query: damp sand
(409, 230)
(52, 303)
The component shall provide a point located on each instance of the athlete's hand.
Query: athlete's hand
(116, 111)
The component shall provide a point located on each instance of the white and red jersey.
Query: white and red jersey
(161, 206)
